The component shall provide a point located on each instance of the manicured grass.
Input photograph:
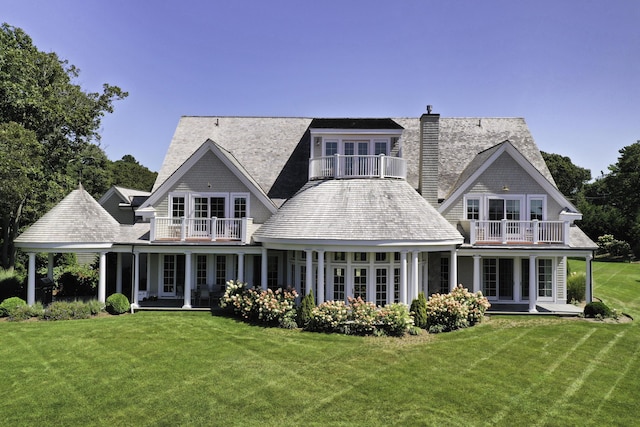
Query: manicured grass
(198, 369)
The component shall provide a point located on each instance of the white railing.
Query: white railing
(339, 166)
(505, 231)
(201, 229)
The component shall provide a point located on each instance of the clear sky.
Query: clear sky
(571, 68)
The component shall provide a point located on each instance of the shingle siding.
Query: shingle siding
(211, 175)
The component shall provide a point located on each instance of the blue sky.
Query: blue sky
(570, 68)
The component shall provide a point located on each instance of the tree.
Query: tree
(20, 175)
(611, 204)
(37, 93)
(128, 173)
(568, 177)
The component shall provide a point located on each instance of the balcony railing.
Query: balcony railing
(199, 229)
(533, 232)
(339, 166)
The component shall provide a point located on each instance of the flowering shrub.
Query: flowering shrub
(360, 318)
(258, 305)
(455, 310)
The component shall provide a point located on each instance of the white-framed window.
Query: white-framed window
(472, 208)
(537, 207)
(239, 205)
(177, 205)
(545, 278)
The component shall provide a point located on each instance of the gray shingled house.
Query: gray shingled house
(378, 208)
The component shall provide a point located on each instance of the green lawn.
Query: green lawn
(195, 369)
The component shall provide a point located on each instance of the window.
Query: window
(396, 285)
(524, 290)
(360, 283)
(177, 207)
(360, 257)
(239, 207)
(545, 278)
(444, 275)
(338, 284)
(490, 277)
(201, 271)
(221, 270)
(217, 206)
(381, 286)
(473, 209)
(272, 273)
(381, 147)
(536, 209)
(381, 256)
(339, 256)
(331, 148)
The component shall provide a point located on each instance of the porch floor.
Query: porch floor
(542, 307)
(174, 304)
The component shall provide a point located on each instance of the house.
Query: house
(380, 208)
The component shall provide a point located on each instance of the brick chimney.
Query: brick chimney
(429, 152)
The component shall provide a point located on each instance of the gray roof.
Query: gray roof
(275, 150)
(358, 210)
(78, 218)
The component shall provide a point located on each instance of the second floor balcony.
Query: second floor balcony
(364, 166)
(200, 230)
(519, 232)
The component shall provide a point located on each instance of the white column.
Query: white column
(533, 288)
(588, 292)
(320, 285)
(187, 280)
(102, 280)
(414, 276)
(309, 276)
(517, 278)
(453, 270)
(147, 258)
(50, 265)
(476, 273)
(31, 281)
(119, 273)
(240, 273)
(425, 273)
(391, 284)
(403, 277)
(135, 264)
(263, 269)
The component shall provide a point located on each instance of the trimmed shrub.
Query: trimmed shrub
(117, 304)
(305, 311)
(67, 310)
(363, 316)
(260, 306)
(576, 285)
(394, 320)
(20, 313)
(95, 306)
(10, 304)
(455, 310)
(596, 309)
(419, 311)
(330, 316)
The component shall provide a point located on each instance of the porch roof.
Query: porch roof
(358, 210)
(77, 219)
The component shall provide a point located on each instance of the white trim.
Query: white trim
(519, 158)
(174, 179)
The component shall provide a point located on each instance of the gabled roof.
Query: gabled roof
(384, 211)
(485, 159)
(126, 195)
(275, 150)
(227, 158)
(78, 220)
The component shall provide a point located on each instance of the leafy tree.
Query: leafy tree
(128, 173)
(37, 92)
(611, 204)
(20, 177)
(568, 177)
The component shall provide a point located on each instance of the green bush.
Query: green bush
(11, 284)
(117, 304)
(10, 304)
(20, 313)
(306, 309)
(77, 280)
(596, 309)
(419, 311)
(394, 320)
(455, 310)
(95, 306)
(67, 310)
(576, 285)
